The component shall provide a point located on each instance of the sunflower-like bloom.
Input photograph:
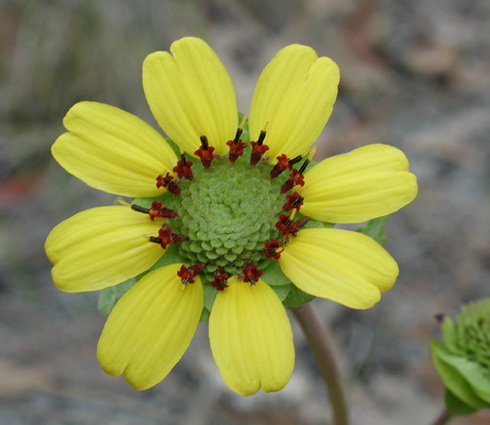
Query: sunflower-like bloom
(215, 208)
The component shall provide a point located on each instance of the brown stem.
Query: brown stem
(443, 418)
(320, 344)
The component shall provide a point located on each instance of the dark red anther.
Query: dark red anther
(187, 274)
(236, 149)
(294, 201)
(238, 133)
(169, 183)
(273, 249)
(295, 160)
(183, 168)
(282, 164)
(220, 281)
(158, 210)
(303, 166)
(257, 152)
(251, 273)
(205, 152)
(166, 237)
(295, 179)
(286, 226)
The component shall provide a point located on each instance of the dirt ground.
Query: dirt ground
(414, 74)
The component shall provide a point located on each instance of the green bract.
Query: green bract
(463, 359)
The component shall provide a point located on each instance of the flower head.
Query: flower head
(463, 358)
(238, 214)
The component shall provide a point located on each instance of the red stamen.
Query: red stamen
(158, 210)
(205, 152)
(183, 168)
(273, 249)
(169, 183)
(258, 151)
(220, 281)
(294, 201)
(166, 237)
(251, 273)
(282, 164)
(236, 149)
(295, 179)
(286, 226)
(187, 274)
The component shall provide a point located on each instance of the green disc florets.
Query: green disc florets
(227, 212)
(473, 332)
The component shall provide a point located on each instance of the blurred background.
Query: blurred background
(414, 74)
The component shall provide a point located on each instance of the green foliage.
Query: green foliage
(296, 298)
(108, 297)
(455, 406)
(375, 229)
(276, 279)
(274, 276)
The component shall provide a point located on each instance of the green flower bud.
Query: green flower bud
(463, 359)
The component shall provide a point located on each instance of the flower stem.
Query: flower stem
(443, 418)
(322, 349)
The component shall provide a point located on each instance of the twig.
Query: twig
(321, 346)
(443, 418)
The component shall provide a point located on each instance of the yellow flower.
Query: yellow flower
(231, 210)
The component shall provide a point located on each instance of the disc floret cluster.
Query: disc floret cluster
(230, 214)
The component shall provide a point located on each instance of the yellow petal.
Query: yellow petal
(347, 267)
(113, 150)
(251, 338)
(101, 247)
(293, 99)
(191, 94)
(369, 182)
(150, 327)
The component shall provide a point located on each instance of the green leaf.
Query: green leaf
(453, 371)
(448, 329)
(210, 293)
(274, 276)
(456, 406)
(476, 375)
(171, 256)
(168, 199)
(204, 315)
(173, 145)
(375, 229)
(277, 280)
(314, 224)
(296, 298)
(108, 297)
(282, 291)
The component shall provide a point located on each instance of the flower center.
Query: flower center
(230, 214)
(227, 213)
